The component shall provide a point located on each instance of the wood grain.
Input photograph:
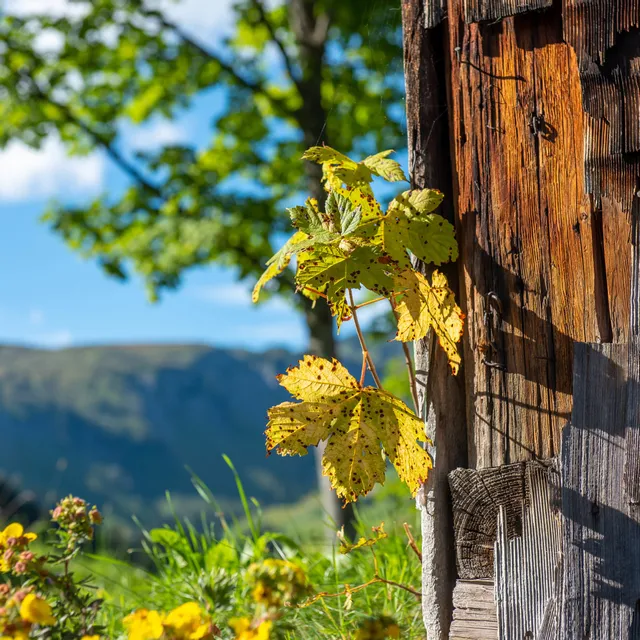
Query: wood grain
(474, 614)
(441, 395)
(543, 223)
(526, 566)
(601, 572)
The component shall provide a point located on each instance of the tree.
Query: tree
(537, 109)
(294, 75)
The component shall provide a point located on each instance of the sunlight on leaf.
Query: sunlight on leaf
(359, 425)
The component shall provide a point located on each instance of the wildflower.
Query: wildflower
(15, 532)
(244, 631)
(13, 541)
(19, 634)
(36, 610)
(187, 622)
(277, 582)
(144, 625)
(75, 520)
(90, 638)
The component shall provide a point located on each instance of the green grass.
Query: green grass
(209, 563)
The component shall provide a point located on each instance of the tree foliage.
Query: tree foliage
(280, 72)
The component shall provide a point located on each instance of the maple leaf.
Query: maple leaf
(334, 269)
(424, 306)
(380, 165)
(358, 423)
(409, 225)
(338, 169)
(280, 261)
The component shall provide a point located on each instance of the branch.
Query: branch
(96, 136)
(279, 104)
(365, 352)
(291, 72)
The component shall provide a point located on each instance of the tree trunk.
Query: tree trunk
(311, 36)
(544, 128)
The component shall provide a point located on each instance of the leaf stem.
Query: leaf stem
(368, 302)
(412, 541)
(410, 372)
(318, 293)
(365, 352)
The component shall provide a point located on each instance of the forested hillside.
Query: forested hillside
(119, 424)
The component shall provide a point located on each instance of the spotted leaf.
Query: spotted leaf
(360, 425)
(424, 306)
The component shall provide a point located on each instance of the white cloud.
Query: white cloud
(202, 18)
(282, 332)
(236, 295)
(30, 174)
(52, 339)
(158, 134)
(233, 294)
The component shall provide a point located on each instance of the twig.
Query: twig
(412, 541)
(375, 580)
(365, 352)
(411, 373)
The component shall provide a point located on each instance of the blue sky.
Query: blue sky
(50, 297)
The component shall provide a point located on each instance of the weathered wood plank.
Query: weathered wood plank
(546, 142)
(474, 614)
(525, 230)
(441, 395)
(526, 565)
(601, 548)
(483, 10)
(635, 272)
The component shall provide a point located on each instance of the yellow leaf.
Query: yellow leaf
(277, 263)
(380, 164)
(273, 270)
(359, 425)
(425, 306)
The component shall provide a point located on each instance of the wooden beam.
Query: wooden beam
(601, 538)
(441, 395)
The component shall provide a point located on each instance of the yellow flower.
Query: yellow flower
(187, 622)
(243, 630)
(15, 530)
(36, 610)
(90, 638)
(144, 625)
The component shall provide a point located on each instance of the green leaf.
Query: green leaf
(343, 215)
(334, 269)
(167, 538)
(381, 166)
(406, 226)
